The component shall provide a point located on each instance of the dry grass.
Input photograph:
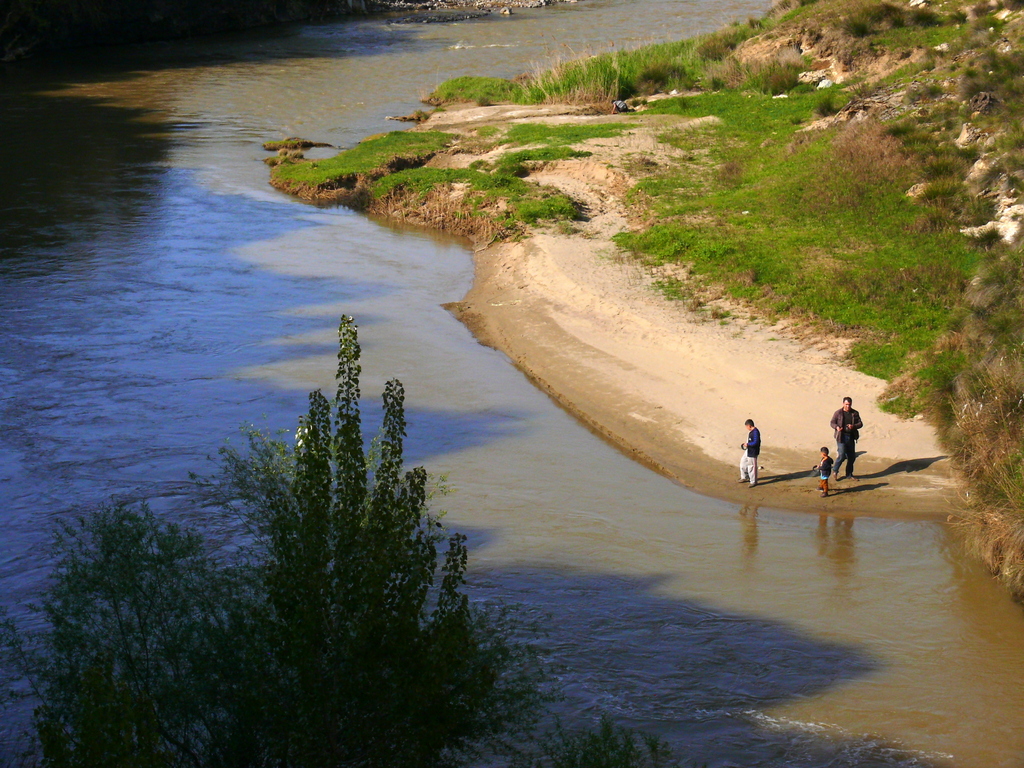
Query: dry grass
(442, 208)
(997, 539)
(863, 158)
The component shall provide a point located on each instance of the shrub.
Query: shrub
(924, 17)
(827, 104)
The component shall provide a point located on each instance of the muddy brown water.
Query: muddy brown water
(156, 294)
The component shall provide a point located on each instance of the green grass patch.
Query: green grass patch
(422, 180)
(514, 163)
(554, 207)
(812, 224)
(483, 91)
(527, 203)
(560, 135)
(377, 153)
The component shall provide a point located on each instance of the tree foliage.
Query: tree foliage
(341, 636)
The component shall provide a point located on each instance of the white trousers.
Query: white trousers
(748, 468)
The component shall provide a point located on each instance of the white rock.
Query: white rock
(979, 170)
(781, 96)
(826, 83)
(1008, 223)
(813, 76)
(941, 47)
(968, 135)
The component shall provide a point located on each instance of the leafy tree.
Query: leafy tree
(341, 636)
(387, 662)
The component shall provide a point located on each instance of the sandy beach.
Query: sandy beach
(669, 386)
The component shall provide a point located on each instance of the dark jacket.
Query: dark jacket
(754, 442)
(825, 467)
(839, 421)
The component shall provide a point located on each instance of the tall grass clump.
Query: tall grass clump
(776, 75)
(653, 68)
(980, 410)
(618, 75)
(680, 65)
(863, 159)
(869, 18)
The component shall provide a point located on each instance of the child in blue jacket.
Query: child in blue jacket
(824, 469)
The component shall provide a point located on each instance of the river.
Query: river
(156, 294)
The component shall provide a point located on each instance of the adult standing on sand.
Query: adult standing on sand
(751, 450)
(847, 425)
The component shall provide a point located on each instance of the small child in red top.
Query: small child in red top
(824, 469)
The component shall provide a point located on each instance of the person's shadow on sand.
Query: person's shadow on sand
(850, 486)
(801, 475)
(900, 467)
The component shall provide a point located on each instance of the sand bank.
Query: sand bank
(671, 387)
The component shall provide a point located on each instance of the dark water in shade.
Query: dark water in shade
(156, 294)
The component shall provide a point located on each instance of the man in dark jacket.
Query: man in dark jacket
(751, 450)
(847, 425)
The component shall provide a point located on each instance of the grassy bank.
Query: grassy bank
(391, 175)
(879, 209)
(792, 220)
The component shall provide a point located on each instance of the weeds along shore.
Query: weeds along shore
(857, 171)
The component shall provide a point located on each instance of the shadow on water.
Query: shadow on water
(80, 173)
(73, 190)
(695, 675)
(117, 358)
(340, 37)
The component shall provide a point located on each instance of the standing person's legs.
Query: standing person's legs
(752, 469)
(749, 469)
(851, 456)
(840, 457)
